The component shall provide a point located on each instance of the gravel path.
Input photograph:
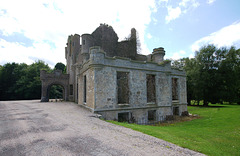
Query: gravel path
(64, 128)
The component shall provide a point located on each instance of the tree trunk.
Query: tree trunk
(189, 101)
(205, 103)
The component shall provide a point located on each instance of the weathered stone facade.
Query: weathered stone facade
(110, 78)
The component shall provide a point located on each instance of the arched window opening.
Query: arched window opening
(56, 93)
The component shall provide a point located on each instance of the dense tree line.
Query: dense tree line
(22, 81)
(213, 76)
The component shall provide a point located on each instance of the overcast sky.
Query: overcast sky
(32, 30)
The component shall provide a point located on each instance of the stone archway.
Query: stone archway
(55, 78)
(50, 88)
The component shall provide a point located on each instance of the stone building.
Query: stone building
(109, 78)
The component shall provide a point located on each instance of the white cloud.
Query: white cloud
(162, 2)
(149, 36)
(182, 52)
(227, 36)
(195, 4)
(191, 56)
(173, 13)
(183, 7)
(210, 1)
(154, 20)
(178, 55)
(189, 3)
(16, 52)
(46, 21)
(184, 3)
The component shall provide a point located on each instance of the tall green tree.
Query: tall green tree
(208, 79)
(213, 75)
(30, 83)
(229, 71)
(9, 75)
(60, 66)
(21, 81)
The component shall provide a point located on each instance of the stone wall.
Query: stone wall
(90, 82)
(55, 78)
(105, 37)
(127, 49)
(106, 88)
(145, 84)
(102, 87)
(72, 52)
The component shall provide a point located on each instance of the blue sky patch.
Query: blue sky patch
(17, 37)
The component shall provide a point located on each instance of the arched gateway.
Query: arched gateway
(55, 78)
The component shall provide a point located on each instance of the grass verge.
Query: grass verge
(216, 132)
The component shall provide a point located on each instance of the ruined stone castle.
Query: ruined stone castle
(110, 78)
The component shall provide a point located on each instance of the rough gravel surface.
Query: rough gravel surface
(64, 128)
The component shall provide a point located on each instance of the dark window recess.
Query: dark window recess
(151, 115)
(175, 110)
(84, 42)
(151, 91)
(123, 117)
(77, 91)
(85, 89)
(174, 88)
(122, 87)
(71, 89)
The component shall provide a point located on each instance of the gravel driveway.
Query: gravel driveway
(64, 128)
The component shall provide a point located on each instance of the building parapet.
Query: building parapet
(99, 59)
(55, 74)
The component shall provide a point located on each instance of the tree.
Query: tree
(21, 81)
(30, 83)
(189, 65)
(60, 66)
(56, 92)
(213, 75)
(229, 71)
(8, 78)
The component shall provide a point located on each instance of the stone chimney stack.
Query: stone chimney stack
(158, 55)
(133, 33)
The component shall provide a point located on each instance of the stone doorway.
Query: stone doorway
(56, 92)
(50, 79)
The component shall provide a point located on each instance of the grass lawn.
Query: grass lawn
(217, 132)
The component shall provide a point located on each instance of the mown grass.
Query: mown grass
(216, 132)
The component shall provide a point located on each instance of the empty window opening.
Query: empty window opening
(56, 92)
(122, 87)
(77, 91)
(71, 89)
(175, 110)
(123, 117)
(151, 115)
(174, 89)
(85, 89)
(83, 42)
(151, 91)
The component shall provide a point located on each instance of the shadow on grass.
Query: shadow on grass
(209, 106)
